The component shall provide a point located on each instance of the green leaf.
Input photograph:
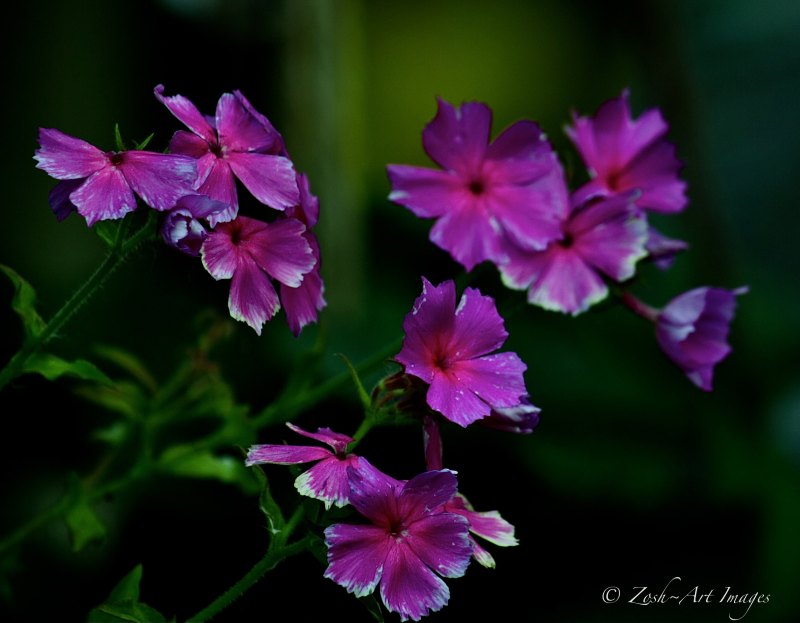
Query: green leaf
(145, 142)
(84, 525)
(52, 367)
(373, 606)
(123, 604)
(130, 364)
(24, 302)
(188, 461)
(108, 231)
(267, 504)
(363, 396)
(128, 587)
(120, 144)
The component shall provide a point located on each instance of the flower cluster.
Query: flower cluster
(423, 529)
(195, 188)
(507, 202)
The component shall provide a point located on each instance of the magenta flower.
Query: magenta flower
(604, 236)
(238, 143)
(485, 192)
(250, 252)
(303, 303)
(326, 481)
(410, 539)
(447, 347)
(488, 525)
(103, 185)
(623, 154)
(182, 226)
(692, 329)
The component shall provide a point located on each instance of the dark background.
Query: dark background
(634, 475)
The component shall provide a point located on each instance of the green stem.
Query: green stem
(283, 410)
(115, 257)
(274, 556)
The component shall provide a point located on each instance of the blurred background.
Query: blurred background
(633, 477)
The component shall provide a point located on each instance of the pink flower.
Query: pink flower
(328, 480)
(251, 253)
(103, 185)
(448, 347)
(602, 237)
(410, 541)
(623, 154)
(692, 329)
(238, 143)
(485, 193)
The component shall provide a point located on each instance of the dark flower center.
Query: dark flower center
(476, 187)
(567, 241)
(216, 149)
(116, 159)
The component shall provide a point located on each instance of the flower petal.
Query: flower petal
(220, 185)
(488, 525)
(478, 328)
(449, 396)
(442, 542)
(356, 556)
(252, 297)
(426, 327)
(65, 157)
(105, 195)
(521, 419)
(271, 179)
(610, 234)
(469, 234)
(219, 254)
(432, 442)
(303, 303)
(328, 481)
(373, 493)
(409, 587)
(281, 250)
(457, 137)
(188, 144)
(281, 454)
(428, 193)
(242, 131)
(495, 379)
(426, 493)
(187, 113)
(159, 179)
(337, 441)
(59, 200)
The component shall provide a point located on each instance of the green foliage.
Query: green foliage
(123, 604)
(84, 525)
(184, 460)
(24, 303)
(267, 504)
(52, 367)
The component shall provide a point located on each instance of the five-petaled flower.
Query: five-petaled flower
(410, 541)
(623, 154)
(238, 142)
(602, 236)
(328, 480)
(103, 185)
(485, 192)
(448, 347)
(250, 252)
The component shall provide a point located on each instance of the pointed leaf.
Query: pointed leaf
(128, 587)
(24, 303)
(107, 231)
(118, 142)
(267, 504)
(363, 396)
(185, 460)
(84, 525)
(123, 604)
(145, 142)
(52, 367)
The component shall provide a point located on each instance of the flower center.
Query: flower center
(116, 159)
(567, 241)
(440, 361)
(476, 187)
(217, 150)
